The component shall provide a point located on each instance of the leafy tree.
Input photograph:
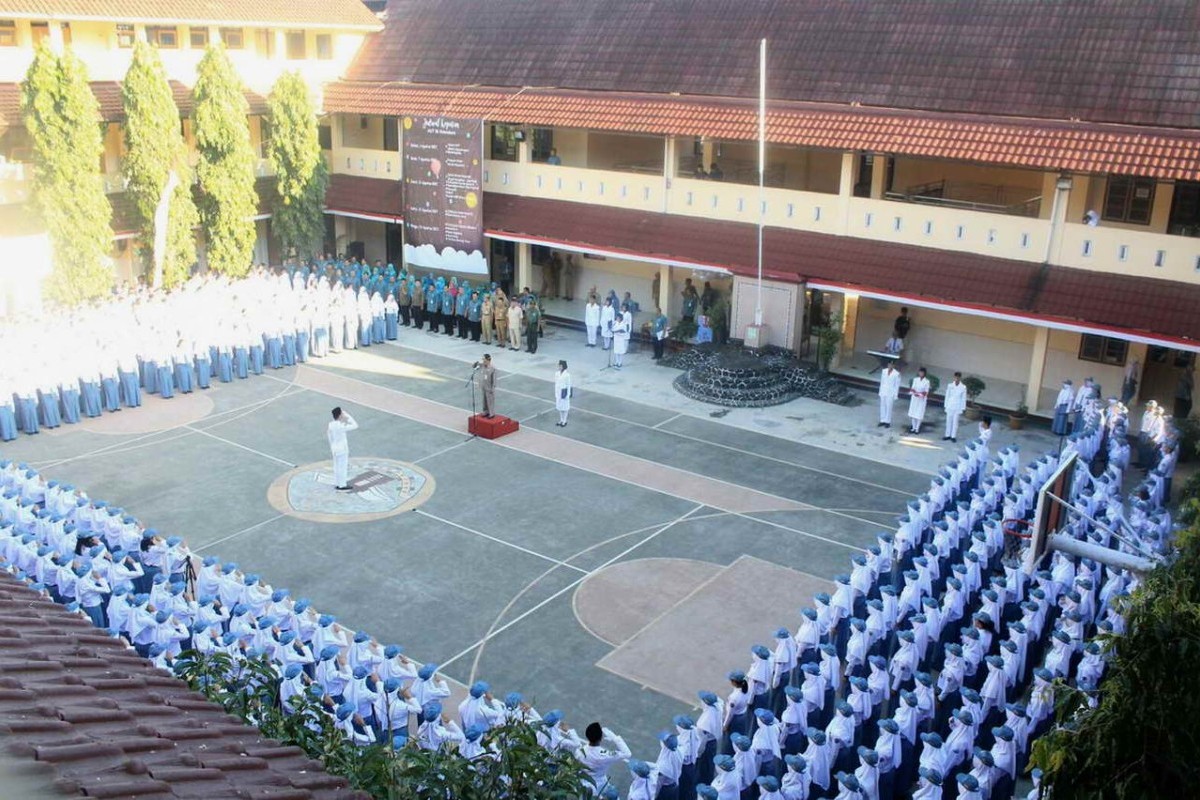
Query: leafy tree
(63, 120)
(521, 767)
(228, 201)
(156, 154)
(300, 169)
(1142, 740)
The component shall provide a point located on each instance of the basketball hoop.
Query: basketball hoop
(1017, 533)
(1018, 528)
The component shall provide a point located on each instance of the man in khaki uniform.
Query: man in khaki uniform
(487, 380)
(404, 301)
(418, 305)
(500, 312)
(515, 315)
(486, 317)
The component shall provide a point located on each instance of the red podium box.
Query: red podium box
(493, 428)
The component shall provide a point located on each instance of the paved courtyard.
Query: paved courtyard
(610, 568)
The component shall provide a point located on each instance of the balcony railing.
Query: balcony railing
(985, 197)
(367, 163)
(944, 226)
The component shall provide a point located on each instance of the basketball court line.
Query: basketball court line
(539, 578)
(491, 538)
(255, 526)
(693, 438)
(633, 470)
(697, 439)
(493, 634)
(241, 446)
(130, 444)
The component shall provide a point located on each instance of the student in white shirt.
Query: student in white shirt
(341, 424)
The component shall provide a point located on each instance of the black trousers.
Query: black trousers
(476, 330)
(448, 324)
(405, 313)
(464, 327)
(658, 348)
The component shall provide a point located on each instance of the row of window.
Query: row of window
(167, 37)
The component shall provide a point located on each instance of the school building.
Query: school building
(935, 155)
(319, 38)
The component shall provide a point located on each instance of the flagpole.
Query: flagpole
(762, 167)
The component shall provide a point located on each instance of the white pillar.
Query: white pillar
(846, 190)
(664, 289)
(1037, 367)
(524, 268)
(56, 36)
(878, 176)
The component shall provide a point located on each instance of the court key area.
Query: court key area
(610, 568)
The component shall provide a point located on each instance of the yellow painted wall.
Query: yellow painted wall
(635, 277)
(911, 172)
(355, 135)
(572, 146)
(96, 44)
(617, 152)
(945, 342)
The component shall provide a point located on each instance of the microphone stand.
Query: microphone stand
(471, 383)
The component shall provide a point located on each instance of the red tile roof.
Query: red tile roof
(351, 194)
(1078, 147)
(108, 94)
(1098, 60)
(103, 722)
(337, 14)
(1128, 304)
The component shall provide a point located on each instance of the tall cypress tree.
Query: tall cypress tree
(63, 120)
(154, 150)
(228, 201)
(302, 175)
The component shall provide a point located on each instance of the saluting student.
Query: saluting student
(341, 424)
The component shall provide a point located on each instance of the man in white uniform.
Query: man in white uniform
(889, 390)
(342, 424)
(955, 403)
(591, 319)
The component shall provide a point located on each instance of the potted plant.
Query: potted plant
(681, 333)
(829, 338)
(1016, 419)
(975, 387)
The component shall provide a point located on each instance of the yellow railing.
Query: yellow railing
(367, 163)
(1102, 248)
(574, 184)
(1130, 252)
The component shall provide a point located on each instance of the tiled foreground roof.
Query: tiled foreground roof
(106, 723)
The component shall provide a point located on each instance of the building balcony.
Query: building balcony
(1130, 252)
(991, 198)
(575, 184)
(384, 164)
(960, 225)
